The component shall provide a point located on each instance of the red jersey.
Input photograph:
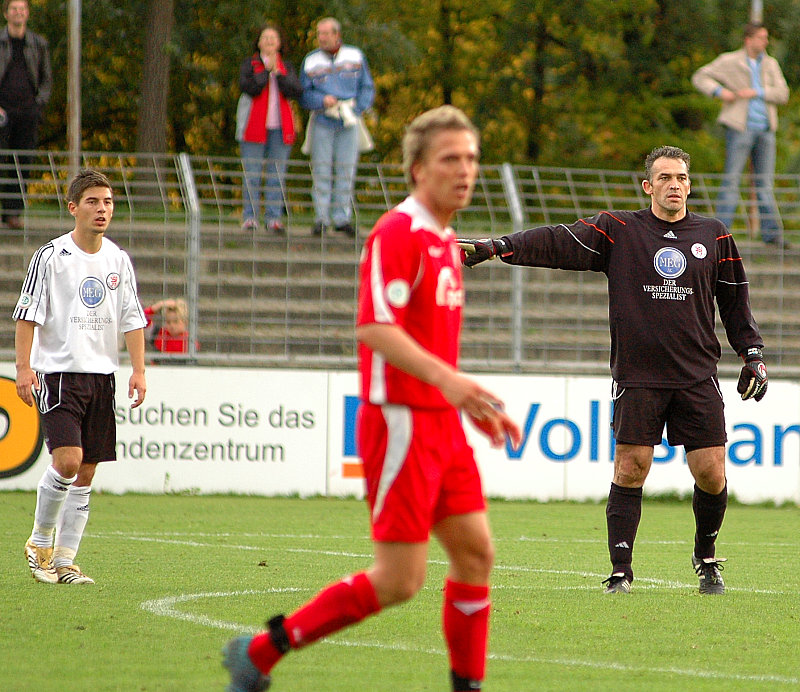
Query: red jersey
(169, 343)
(166, 342)
(410, 275)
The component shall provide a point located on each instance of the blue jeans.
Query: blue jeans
(334, 155)
(276, 153)
(758, 147)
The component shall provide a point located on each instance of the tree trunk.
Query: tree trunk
(151, 135)
(448, 48)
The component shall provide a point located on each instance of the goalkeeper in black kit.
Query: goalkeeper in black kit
(665, 268)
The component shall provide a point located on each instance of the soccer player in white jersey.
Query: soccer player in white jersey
(421, 475)
(79, 294)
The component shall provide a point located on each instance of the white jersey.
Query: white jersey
(81, 303)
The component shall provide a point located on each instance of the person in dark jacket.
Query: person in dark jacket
(265, 127)
(665, 267)
(26, 81)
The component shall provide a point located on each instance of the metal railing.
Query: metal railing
(261, 299)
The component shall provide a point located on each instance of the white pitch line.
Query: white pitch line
(367, 539)
(640, 582)
(167, 607)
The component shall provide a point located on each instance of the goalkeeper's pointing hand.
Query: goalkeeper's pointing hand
(476, 251)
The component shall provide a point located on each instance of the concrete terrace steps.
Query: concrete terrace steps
(295, 296)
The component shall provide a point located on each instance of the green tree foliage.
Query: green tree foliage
(587, 83)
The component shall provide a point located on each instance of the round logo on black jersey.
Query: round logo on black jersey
(669, 262)
(93, 292)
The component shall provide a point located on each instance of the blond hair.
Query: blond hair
(179, 309)
(422, 130)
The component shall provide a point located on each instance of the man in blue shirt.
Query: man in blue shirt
(750, 84)
(337, 89)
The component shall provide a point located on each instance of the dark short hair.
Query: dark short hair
(86, 178)
(751, 28)
(276, 28)
(422, 130)
(6, 3)
(665, 152)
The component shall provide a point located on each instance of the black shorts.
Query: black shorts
(77, 410)
(694, 416)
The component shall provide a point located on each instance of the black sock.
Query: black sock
(623, 511)
(464, 684)
(709, 511)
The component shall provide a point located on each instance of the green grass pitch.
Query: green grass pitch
(178, 575)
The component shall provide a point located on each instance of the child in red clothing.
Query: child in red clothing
(173, 335)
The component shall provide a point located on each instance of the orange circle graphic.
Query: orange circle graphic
(22, 443)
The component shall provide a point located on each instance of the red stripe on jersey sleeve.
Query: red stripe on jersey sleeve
(608, 213)
(599, 230)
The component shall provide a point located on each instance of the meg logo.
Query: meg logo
(93, 291)
(669, 262)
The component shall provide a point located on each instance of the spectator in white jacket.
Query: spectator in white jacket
(337, 89)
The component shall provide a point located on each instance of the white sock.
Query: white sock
(50, 495)
(71, 524)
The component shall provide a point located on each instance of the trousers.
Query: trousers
(759, 148)
(334, 155)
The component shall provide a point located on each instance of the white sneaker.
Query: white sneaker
(40, 561)
(71, 574)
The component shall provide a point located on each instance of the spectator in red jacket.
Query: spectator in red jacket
(265, 127)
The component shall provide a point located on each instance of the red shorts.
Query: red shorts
(419, 470)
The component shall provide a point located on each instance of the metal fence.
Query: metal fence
(261, 299)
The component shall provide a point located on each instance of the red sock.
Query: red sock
(335, 607)
(466, 628)
(263, 653)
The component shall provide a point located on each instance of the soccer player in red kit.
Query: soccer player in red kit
(421, 475)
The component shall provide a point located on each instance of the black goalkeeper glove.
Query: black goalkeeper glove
(753, 379)
(476, 251)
